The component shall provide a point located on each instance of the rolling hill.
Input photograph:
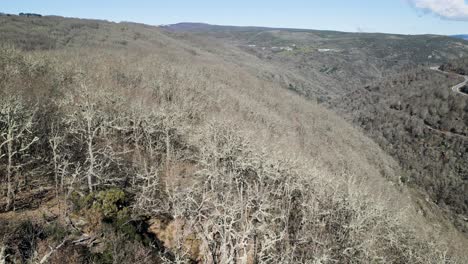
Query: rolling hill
(323, 64)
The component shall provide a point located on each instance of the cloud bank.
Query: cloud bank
(448, 9)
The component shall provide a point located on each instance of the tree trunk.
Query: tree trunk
(91, 157)
(10, 191)
(168, 153)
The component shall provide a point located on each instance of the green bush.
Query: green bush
(110, 202)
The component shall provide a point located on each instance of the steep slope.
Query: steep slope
(371, 80)
(418, 119)
(132, 126)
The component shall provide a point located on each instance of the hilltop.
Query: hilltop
(465, 37)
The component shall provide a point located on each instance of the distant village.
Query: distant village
(287, 48)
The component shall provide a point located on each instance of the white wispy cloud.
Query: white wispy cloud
(448, 9)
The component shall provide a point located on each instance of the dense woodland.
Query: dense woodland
(124, 143)
(459, 66)
(382, 83)
(111, 166)
(419, 120)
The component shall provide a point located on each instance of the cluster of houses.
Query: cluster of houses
(286, 48)
(327, 50)
(289, 48)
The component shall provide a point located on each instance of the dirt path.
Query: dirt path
(447, 133)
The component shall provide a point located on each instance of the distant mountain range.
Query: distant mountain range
(465, 37)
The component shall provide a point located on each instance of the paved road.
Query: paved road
(457, 87)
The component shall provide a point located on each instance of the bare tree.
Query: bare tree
(16, 137)
(90, 125)
(55, 140)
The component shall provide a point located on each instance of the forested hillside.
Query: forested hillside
(459, 66)
(126, 143)
(382, 83)
(420, 121)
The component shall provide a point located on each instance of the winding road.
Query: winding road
(457, 87)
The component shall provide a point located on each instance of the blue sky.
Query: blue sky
(393, 16)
